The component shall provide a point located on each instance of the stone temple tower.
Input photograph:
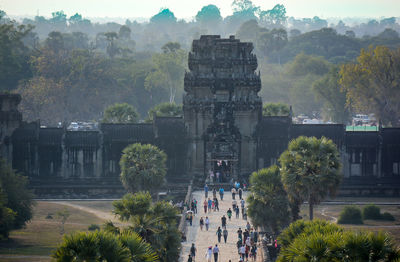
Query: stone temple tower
(222, 107)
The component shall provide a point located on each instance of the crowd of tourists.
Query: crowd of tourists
(247, 238)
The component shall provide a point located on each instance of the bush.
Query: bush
(350, 215)
(387, 216)
(371, 212)
(93, 227)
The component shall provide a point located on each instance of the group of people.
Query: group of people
(247, 243)
(247, 239)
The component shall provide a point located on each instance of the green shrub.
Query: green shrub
(371, 212)
(93, 227)
(350, 215)
(387, 216)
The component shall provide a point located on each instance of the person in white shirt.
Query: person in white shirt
(209, 254)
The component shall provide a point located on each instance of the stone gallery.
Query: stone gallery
(222, 131)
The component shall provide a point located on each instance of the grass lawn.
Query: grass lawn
(326, 212)
(41, 235)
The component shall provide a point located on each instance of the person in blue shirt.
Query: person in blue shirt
(221, 193)
(206, 191)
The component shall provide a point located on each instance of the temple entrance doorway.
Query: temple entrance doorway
(222, 170)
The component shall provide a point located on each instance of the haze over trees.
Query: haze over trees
(68, 68)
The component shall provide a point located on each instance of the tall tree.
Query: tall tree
(120, 113)
(268, 205)
(169, 69)
(209, 15)
(14, 55)
(142, 167)
(328, 90)
(310, 170)
(275, 17)
(16, 200)
(372, 84)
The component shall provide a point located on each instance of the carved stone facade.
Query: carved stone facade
(222, 130)
(221, 106)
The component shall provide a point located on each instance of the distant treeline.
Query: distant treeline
(68, 68)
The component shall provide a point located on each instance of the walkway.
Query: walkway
(204, 239)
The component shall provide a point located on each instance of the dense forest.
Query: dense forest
(69, 69)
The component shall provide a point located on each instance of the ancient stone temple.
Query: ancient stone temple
(222, 107)
(222, 131)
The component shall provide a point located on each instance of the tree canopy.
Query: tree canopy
(310, 170)
(16, 200)
(142, 167)
(275, 109)
(120, 113)
(268, 205)
(372, 84)
(165, 109)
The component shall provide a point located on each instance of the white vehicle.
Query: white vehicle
(312, 121)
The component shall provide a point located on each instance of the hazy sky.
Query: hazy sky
(188, 8)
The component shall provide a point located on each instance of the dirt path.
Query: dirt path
(204, 239)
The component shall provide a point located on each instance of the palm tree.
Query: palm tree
(310, 170)
(92, 246)
(268, 205)
(105, 246)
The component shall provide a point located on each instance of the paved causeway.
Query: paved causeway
(203, 239)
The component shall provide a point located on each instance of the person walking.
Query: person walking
(215, 252)
(248, 226)
(191, 219)
(205, 206)
(219, 234)
(240, 192)
(240, 234)
(221, 193)
(242, 252)
(253, 252)
(216, 204)
(223, 221)
(214, 193)
(201, 223)
(207, 222)
(209, 202)
(229, 213)
(237, 211)
(234, 204)
(233, 191)
(195, 205)
(225, 234)
(206, 191)
(193, 251)
(190, 259)
(208, 254)
(242, 203)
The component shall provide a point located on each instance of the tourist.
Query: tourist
(206, 191)
(246, 252)
(207, 222)
(223, 221)
(209, 205)
(201, 223)
(213, 205)
(245, 234)
(237, 185)
(190, 219)
(215, 252)
(221, 193)
(225, 234)
(218, 176)
(248, 226)
(234, 204)
(208, 254)
(193, 251)
(190, 258)
(242, 203)
(244, 214)
(211, 176)
(214, 193)
(239, 232)
(240, 192)
(233, 191)
(242, 251)
(229, 213)
(255, 238)
(253, 252)
(237, 211)
(216, 204)
(248, 242)
(195, 205)
(205, 206)
(219, 234)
